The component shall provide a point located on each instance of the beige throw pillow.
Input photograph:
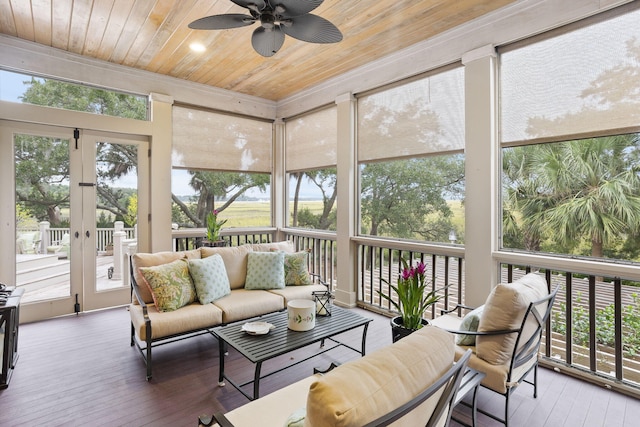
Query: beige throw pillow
(505, 309)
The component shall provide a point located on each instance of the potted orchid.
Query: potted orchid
(413, 300)
(214, 226)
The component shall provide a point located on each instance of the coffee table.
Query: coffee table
(282, 340)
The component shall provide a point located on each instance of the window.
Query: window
(223, 162)
(410, 142)
(310, 158)
(570, 116)
(28, 89)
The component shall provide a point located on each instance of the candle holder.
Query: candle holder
(323, 302)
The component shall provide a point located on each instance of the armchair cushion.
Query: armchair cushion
(363, 390)
(505, 309)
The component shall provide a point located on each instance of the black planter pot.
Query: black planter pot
(398, 331)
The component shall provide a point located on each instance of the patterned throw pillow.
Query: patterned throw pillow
(295, 269)
(265, 270)
(170, 285)
(469, 323)
(210, 278)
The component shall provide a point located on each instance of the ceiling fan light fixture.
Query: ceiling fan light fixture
(197, 47)
(267, 21)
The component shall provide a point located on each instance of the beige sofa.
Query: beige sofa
(372, 390)
(153, 323)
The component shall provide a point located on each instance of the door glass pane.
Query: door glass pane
(42, 217)
(116, 210)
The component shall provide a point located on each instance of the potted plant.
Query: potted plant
(413, 300)
(213, 229)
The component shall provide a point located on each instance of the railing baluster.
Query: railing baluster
(617, 297)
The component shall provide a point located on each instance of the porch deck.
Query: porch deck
(45, 276)
(80, 370)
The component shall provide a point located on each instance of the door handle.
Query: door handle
(86, 233)
(76, 234)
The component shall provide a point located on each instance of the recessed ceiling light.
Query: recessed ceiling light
(197, 47)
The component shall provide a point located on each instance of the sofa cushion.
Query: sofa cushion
(170, 284)
(242, 304)
(265, 270)
(504, 309)
(191, 317)
(295, 269)
(290, 293)
(149, 260)
(360, 391)
(235, 262)
(284, 246)
(210, 278)
(469, 323)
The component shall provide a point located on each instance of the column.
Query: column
(481, 174)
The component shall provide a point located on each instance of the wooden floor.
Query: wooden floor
(80, 370)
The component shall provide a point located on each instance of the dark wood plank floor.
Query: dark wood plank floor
(80, 370)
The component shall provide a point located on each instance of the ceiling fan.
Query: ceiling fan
(276, 18)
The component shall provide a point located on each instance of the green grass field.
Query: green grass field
(258, 214)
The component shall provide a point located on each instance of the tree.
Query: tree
(325, 181)
(214, 186)
(407, 198)
(42, 176)
(583, 190)
(42, 164)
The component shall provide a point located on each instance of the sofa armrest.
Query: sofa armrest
(319, 279)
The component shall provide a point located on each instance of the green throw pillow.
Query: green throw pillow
(296, 419)
(170, 284)
(210, 278)
(295, 269)
(265, 270)
(469, 323)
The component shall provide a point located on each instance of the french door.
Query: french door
(78, 206)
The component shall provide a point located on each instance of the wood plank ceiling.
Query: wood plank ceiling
(153, 35)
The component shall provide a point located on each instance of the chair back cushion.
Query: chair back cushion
(505, 309)
(363, 390)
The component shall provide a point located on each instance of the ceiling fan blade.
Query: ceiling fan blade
(251, 4)
(313, 29)
(295, 7)
(267, 42)
(222, 22)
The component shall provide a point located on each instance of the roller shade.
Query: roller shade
(311, 140)
(413, 119)
(211, 140)
(581, 82)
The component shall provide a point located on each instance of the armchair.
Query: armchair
(28, 243)
(61, 248)
(509, 333)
